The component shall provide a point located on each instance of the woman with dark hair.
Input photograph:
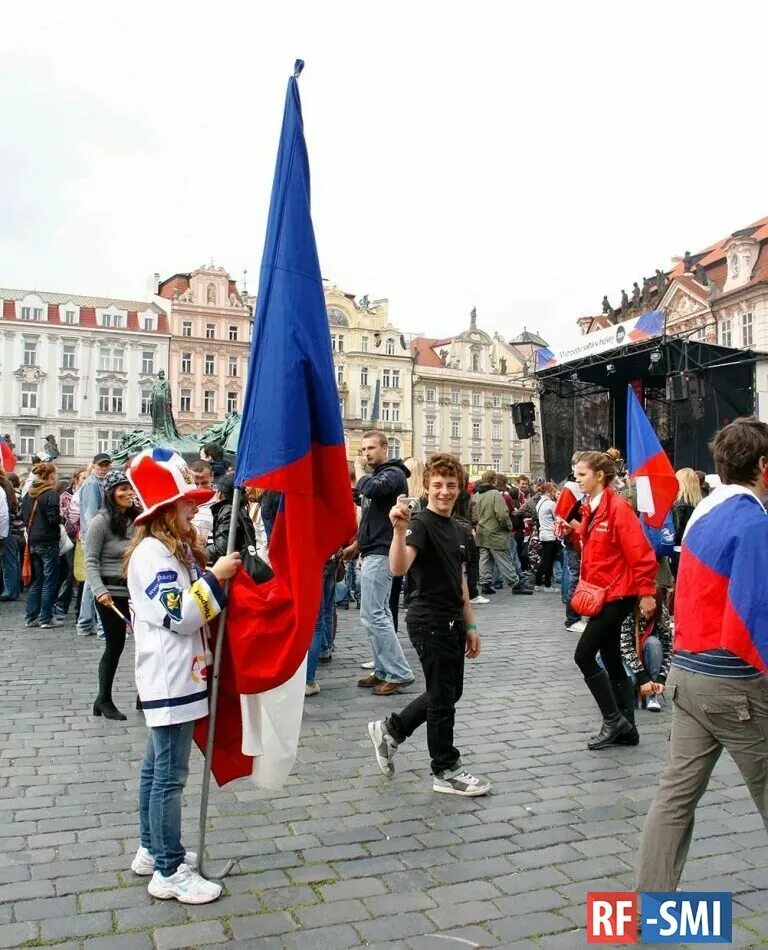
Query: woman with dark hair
(40, 511)
(617, 557)
(106, 541)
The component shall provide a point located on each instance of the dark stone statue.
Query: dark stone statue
(700, 275)
(503, 366)
(443, 354)
(635, 294)
(50, 449)
(624, 301)
(687, 262)
(607, 308)
(473, 319)
(646, 290)
(163, 423)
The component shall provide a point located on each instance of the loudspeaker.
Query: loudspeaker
(682, 386)
(524, 430)
(523, 412)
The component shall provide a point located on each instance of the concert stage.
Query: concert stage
(689, 389)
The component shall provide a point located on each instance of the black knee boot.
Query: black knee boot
(614, 723)
(104, 705)
(624, 696)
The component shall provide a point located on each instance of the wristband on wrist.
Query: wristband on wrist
(471, 626)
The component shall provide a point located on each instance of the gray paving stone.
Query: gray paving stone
(45, 908)
(82, 925)
(335, 912)
(457, 915)
(530, 925)
(357, 887)
(190, 935)
(155, 914)
(387, 928)
(118, 942)
(323, 938)
(264, 925)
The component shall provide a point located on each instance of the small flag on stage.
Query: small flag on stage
(648, 463)
(376, 408)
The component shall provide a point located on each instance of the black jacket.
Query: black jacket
(45, 526)
(378, 492)
(222, 518)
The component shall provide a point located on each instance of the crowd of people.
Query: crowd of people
(142, 550)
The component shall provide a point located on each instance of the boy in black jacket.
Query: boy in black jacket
(432, 546)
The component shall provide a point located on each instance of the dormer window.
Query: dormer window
(148, 323)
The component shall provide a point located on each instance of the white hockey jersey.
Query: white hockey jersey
(169, 608)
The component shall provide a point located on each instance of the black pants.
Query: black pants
(394, 599)
(473, 565)
(603, 634)
(114, 644)
(441, 650)
(548, 554)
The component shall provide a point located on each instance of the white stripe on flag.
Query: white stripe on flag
(644, 495)
(271, 727)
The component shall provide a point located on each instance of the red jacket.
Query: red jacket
(615, 552)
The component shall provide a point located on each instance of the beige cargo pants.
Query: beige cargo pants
(709, 713)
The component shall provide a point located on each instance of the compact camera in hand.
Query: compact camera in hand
(412, 504)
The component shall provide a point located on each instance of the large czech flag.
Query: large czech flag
(291, 441)
(648, 463)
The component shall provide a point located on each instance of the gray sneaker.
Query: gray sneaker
(461, 782)
(383, 745)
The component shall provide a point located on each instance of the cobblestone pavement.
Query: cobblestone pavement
(344, 857)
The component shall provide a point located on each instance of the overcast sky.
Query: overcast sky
(521, 158)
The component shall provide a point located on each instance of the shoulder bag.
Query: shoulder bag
(26, 561)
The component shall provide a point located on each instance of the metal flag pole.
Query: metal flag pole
(212, 708)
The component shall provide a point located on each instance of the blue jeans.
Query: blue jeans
(163, 777)
(45, 582)
(12, 568)
(88, 619)
(66, 584)
(350, 586)
(573, 561)
(653, 654)
(389, 662)
(322, 639)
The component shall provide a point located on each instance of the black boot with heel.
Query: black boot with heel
(614, 724)
(623, 694)
(107, 709)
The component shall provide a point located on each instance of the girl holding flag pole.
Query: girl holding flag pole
(173, 597)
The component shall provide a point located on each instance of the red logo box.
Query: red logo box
(612, 917)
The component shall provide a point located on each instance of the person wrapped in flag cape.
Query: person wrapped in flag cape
(718, 682)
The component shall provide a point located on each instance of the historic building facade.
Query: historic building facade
(78, 368)
(210, 325)
(718, 295)
(368, 349)
(463, 389)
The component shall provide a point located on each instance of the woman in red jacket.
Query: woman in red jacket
(616, 556)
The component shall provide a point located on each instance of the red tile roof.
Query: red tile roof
(423, 352)
(712, 259)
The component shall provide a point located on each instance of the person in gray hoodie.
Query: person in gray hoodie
(109, 534)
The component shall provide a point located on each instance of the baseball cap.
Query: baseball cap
(101, 457)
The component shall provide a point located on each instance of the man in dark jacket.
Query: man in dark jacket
(378, 492)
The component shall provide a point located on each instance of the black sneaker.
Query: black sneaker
(487, 589)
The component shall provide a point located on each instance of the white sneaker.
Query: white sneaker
(461, 782)
(144, 863)
(32, 623)
(384, 746)
(186, 886)
(367, 666)
(479, 600)
(53, 622)
(311, 689)
(579, 627)
(653, 705)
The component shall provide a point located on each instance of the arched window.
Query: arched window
(390, 349)
(475, 362)
(364, 376)
(394, 449)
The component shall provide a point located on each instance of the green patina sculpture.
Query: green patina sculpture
(165, 432)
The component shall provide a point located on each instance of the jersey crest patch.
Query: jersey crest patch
(163, 577)
(171, 601)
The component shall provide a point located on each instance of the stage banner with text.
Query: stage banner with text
(637, 330)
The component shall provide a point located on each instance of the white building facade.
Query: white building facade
(78, 368)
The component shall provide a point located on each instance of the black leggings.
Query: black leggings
(114, 644)
(603, 634)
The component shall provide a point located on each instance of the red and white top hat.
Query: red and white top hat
(161, 477)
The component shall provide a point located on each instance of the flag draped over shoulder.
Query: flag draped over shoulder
(291, 441)
(648, 463)
(721, 601)
(570, 494)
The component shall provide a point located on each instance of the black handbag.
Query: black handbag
(257, 569)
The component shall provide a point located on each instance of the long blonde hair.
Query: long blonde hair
(690, 487)
(164, 525)
(416, 479)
